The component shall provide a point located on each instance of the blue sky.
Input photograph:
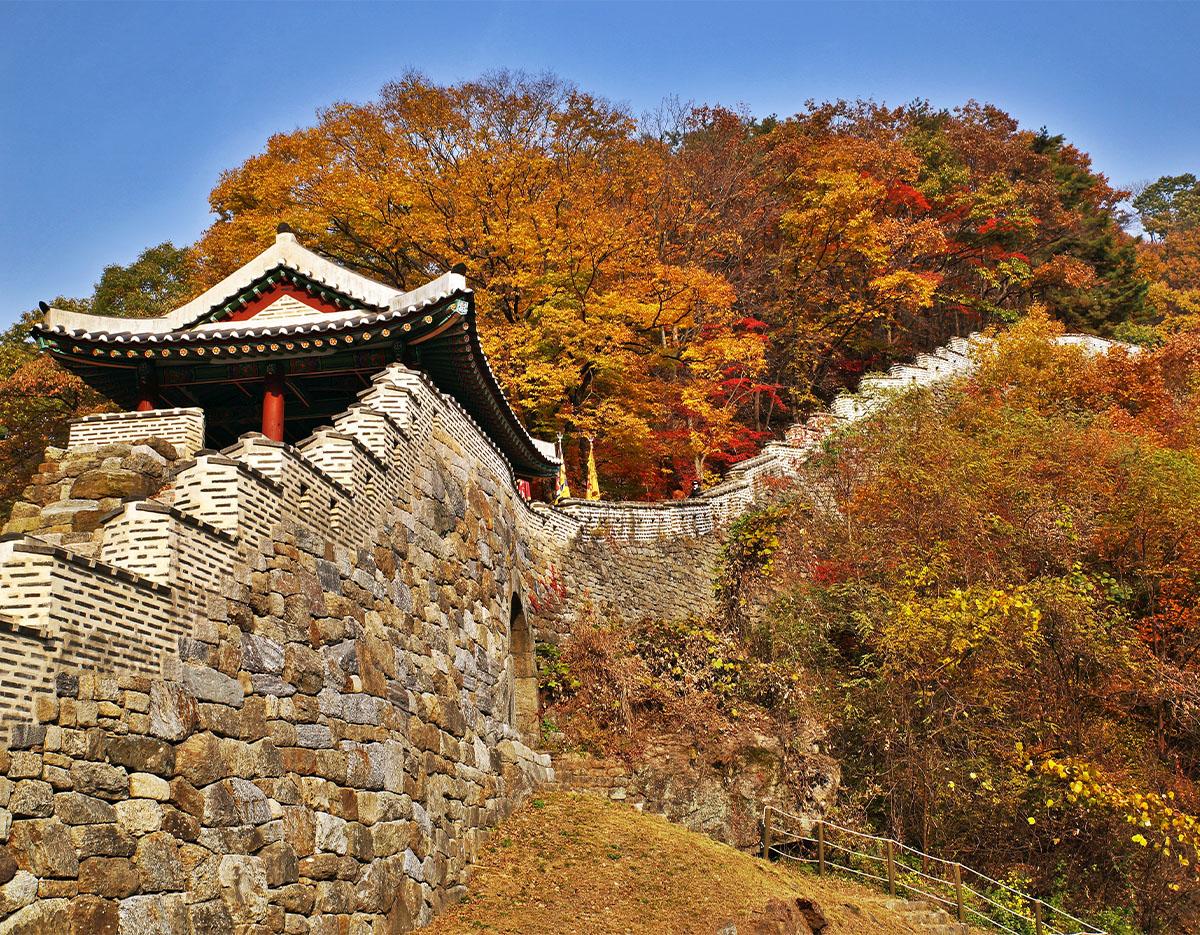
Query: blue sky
(116, 119)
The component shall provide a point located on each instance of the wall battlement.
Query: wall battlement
(282, 688)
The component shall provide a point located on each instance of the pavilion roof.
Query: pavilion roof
(333, 306)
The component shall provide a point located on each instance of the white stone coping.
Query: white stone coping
(191, 411)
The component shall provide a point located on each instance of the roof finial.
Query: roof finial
(284, 228)
(44, 306)
(460, 268)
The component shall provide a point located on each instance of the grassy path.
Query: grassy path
(569, 863)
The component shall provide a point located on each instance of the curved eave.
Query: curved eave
(457, 364)
(449, 352)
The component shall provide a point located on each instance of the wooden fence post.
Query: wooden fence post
(1037, 916)
(766, 833)
(821, 848)
(958, 897)
(891, 867)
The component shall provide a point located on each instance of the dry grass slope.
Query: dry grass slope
(575, 863)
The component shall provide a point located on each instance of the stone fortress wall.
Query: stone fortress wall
(283, 688)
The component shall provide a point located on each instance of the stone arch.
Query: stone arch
(523, 712)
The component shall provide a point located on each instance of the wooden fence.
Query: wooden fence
(969, 896)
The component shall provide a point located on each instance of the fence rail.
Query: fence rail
(969, 896)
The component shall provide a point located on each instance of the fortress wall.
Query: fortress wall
(298, 710)
(183, 428)
(335, 739)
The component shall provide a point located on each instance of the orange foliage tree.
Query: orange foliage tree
(678, 287)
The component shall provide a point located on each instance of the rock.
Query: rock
(8, 866)
(797, 916)
(139, 816)
(114, 877)
(141, 754)
(20, 891)
(331, 833)
(210, 916)
(172, 711)
(45, 915)
(44, 848)
(235, 802)
(261, 655)
(23, 736)
(162, 915)
(99, 779)
(102, 841)
(198, 760)
(243, 887)
(32, 798)
(93, 916)
(74, 808)
(148, 786)
(158, 864)
(279, 864)
(96, 485)
(266, 684)
(210, 685)
(313, 736)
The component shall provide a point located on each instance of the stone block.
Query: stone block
(102, 841)
(23, 736)
(158, 863)
(92, 915)
(139, 816)
(172, 711)
(149, 786)
(210, 685)
(163, 914)
(75, 808)
(141, 754)
(45, 915)
(20, 890)
(243, 887)
(112, 877)
(102, 780)
(44, 847)
(31, 798)
(233, 802)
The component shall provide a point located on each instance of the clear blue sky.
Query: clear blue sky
(115, 119)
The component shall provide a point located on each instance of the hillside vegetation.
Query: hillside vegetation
(988, 592)
(570, 863)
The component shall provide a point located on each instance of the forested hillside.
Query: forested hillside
(987, 595)
(683, 284)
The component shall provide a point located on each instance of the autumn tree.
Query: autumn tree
(547, 194)
(38, 398)
(681, 286)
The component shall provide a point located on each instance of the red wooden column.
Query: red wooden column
(147, 389)
(272, 408)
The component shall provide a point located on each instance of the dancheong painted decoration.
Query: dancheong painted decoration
(287, 342)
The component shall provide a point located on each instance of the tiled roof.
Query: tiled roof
(449, 351)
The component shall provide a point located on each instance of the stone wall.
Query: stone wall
(181, 428)
(335, 741)
(74, 488)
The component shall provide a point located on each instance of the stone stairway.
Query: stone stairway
(925, 915)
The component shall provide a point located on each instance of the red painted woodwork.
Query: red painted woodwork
(272, 407)
(281, 289)
(147, 390)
